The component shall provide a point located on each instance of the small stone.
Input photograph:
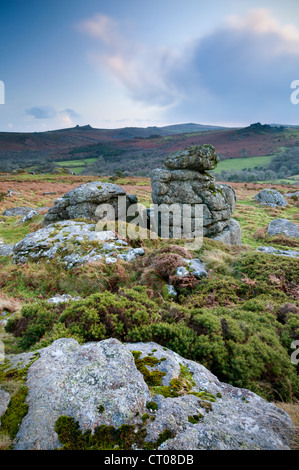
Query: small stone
(170, 292)
(182, 271)
(57, 299)
(196, 268)
(28, 216)
(275, 251)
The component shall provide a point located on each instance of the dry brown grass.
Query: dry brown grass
(218, 261)
(292, 409)
(10, 305)
(5, 442)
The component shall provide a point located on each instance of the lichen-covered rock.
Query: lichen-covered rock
(192, 266)
(270, 197)
(83, 201)
(231, 235)
(73, 243)
(197, 157)
(283, 227)
(186, 182)
(104, 383)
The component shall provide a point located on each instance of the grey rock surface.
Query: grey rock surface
(196, 267)
(283, 227)
(14, 211)
(74, 243)
(275, 251)
(4, 401)
(73, 380)
(231, 235)
(6, 249)
(186, 182)
(171, 292)
(64, 298)
(13, 192)
(83, 202)
(270, 197)
(28, 216)
(197, 157)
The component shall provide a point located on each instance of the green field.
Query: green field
(76, 165)
(241, 163)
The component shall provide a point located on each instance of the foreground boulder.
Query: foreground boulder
(73, 243)
(185, 180)
(83, 201)
(100, 384)
(270, 197)
(283, 227)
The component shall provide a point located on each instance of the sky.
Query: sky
(121, 63)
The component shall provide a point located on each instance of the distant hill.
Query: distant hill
(133, 149)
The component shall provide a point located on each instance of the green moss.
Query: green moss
(204, 395)
(16, 410)
(164, 436)
(101, 409)
(152, 406)
(126, 437)
(195, 418)
(145, 417)
(152, 378)
(180, 385)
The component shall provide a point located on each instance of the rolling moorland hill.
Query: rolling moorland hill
(135, 150)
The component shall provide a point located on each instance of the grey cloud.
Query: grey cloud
(48, 112)
(42, 112)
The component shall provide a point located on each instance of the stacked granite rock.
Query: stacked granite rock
(186, 180)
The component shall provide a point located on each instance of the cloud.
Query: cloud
(245, 66)
(42, 112)
(241, 70)
(48, 112)
(138, 68)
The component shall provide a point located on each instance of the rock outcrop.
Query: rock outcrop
(283, 227)
(102, 384)
(75, 243)
(83, 201)
(186, 180)
(270, 197)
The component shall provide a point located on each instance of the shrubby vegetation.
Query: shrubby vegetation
(239, 322)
